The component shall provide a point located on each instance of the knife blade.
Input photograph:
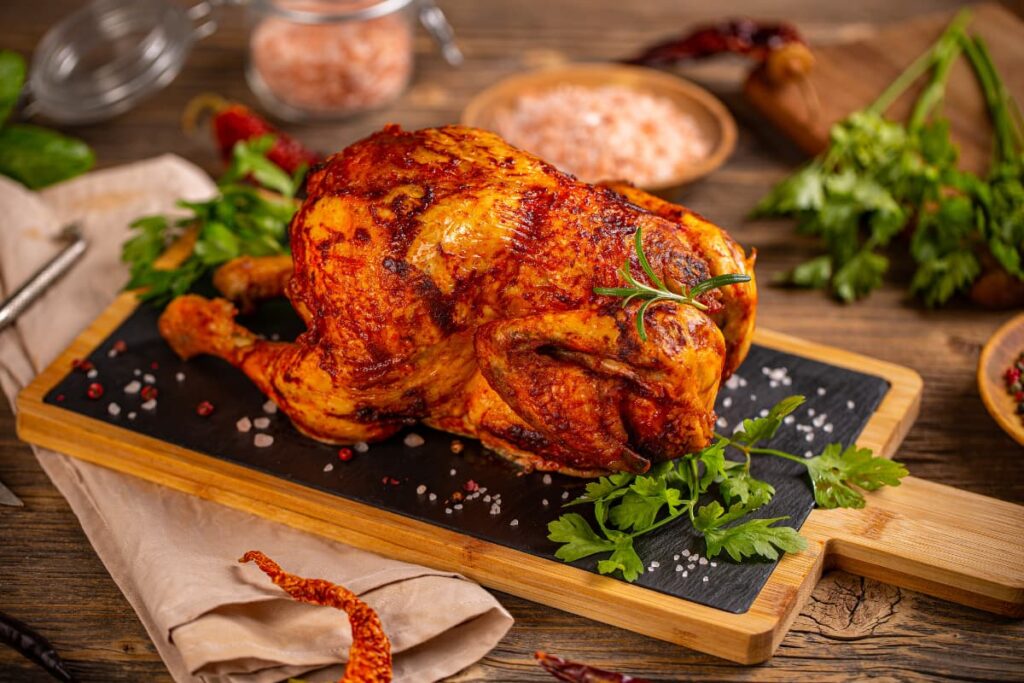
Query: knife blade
(7, 497)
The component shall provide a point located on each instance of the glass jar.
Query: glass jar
(327, 59)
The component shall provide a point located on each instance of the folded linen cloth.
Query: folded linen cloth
(173, 555)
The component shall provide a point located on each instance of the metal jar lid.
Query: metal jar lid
(104, 58)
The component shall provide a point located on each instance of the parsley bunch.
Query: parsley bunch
(716, 495)
(879, 177)
(245, 219)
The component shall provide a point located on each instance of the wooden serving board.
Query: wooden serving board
(849, 76)
(921, 535)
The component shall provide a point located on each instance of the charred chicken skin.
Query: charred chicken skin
(448, 278)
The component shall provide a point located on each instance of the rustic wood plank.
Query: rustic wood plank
(852, 628)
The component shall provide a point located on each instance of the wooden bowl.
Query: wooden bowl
(710, 116)
(999, 353)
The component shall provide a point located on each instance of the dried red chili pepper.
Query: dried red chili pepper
(94, 391)
(149, 392)
(779, 47)
(574, 672)
(204, 409)
(233, 122)
(369, 658)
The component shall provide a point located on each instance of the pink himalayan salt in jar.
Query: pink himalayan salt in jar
(326, 59)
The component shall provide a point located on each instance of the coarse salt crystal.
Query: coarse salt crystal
(808, 454)
(702, 561)
(495, 509)
(180, 376)
(360, 446)
(705, 579)
(655, 564)
(243, 425)
(821, 391)
(514, 522)
(686, 574)
(458, 506)
(763, 413)
(149, 379)
(714, 564)
(132, 415)
(93, 374)
(565, 495)
(828, 428)
(421, 489)
(727, 402)
(114, 409)
(675, 557)
(810, 436)
(263, 440)
(261, 422)
(132, 387)
(447, 511)
(432, 497)
(811, 412)
(451, 472)
(686, 553)
(546, 479)
(721, 423)
(328, 467)
(850, 405)
(413, 440)
(137, 372)
(679, 567)
(269, 407)
(149, 405)
(789, 419)
(544, 502)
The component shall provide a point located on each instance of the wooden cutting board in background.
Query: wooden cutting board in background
(850, 76)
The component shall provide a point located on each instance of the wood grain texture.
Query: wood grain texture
(850, 76)
(851, 629)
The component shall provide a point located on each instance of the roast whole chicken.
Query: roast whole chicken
(447, 277)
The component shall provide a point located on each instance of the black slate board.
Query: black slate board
(389, 475)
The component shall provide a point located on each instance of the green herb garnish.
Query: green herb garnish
(878, 177)
(717, 495)
(243, 220)
(657, 291)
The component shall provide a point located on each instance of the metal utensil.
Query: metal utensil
(42, 279)
(7, 497)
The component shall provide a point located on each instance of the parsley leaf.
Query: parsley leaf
(836, 471)
(623, 559)
(578, 538)
(752, 538)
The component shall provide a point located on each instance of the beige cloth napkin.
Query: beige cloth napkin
(173, 555)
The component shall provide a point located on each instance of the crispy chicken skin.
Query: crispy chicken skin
(447, 277)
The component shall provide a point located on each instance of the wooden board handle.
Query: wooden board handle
(936, 539)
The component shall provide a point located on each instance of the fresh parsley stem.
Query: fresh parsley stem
(919, 65)
(780, 454)
(935, 91)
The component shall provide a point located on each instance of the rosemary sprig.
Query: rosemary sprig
(659, 291)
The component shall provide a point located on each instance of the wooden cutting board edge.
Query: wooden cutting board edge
(746, 638)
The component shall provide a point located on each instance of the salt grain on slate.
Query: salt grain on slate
(763, 413)
(547, 479)
(180, 376)
(685, 574)
(821, 391)
(93, 374)
(850, 405)
(132, 387)
(132, 415)
(137, 372)
(808, 454)
(514, 522)
(269, 407)
(261, 422)
(828, 428)
(721, 423)
(451, 472)
(149, 379)
(447, 511)
(413, 440)
(114, 409)
(458, 506)
(727, 402)
(810, 436)
(360, 446)
(543, 502)
(432, 497)
(328, 467)
(789, 419)
(421, 489)
(702, 561)
(565, 495)
(243, 425)
(149, 405)
(655, 564)
(810, 412)
(679, 567)
(263, 440)
(705, 579)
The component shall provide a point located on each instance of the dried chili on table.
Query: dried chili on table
(574, 672)
(778, 46)
(369, 658)
(33, 646)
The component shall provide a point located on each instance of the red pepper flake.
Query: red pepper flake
(471, 486)
(59, 398)
(81, 365)
(149, 392)
(94, 391)
(154, 365)
(120, 346)
(345, 454)
(393, 481)
(204, 409)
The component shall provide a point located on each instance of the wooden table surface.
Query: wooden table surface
(852, 628)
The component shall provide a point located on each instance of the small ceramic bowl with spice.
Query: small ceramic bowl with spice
(328, 59)
(603, 122)
(1001, 377)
